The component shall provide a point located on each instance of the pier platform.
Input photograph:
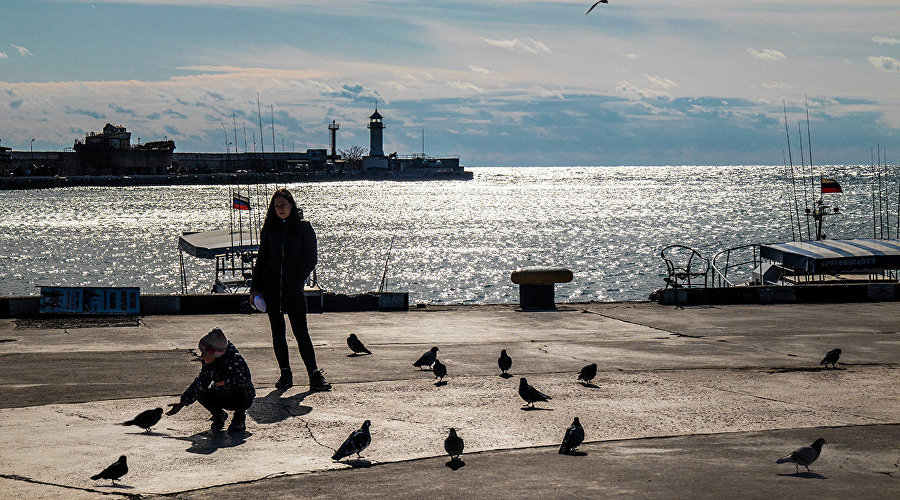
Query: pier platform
(688, 402)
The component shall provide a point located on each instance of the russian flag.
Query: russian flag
(830, 186)
(240, 202)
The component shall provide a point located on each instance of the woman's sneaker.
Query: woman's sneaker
(317, 381)
(286, 380)
(218, 421)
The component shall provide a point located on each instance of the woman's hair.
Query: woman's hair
(272, 217)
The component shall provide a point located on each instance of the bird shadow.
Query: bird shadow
(117, 486)
(455, 464)
(805, 475)
(590, 385)
(440, 383)
(151, 433)
(505, 375)
(535, 408)
(207, 442)
(273, 408)
(359, 463)
(575, 453)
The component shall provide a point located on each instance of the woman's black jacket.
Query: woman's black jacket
(287, 255)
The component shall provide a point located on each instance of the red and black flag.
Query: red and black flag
(830, 186)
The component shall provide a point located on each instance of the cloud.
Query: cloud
(634, 92)
(886, 64)
(464, 86)
(120, 109)
(92, 114)
(767, 54)
(661, 82)
(479, 69)
(171, 131)
(530, 46)
(3, 55)
(22, 50)
(176, 114)
(16, 103)
(883, 40)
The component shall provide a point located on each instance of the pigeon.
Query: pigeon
(454, 445)
(504, 361)
(804, 455)
(427, 359)
(595, 4)
(530, 394)
(146, 419)
(355, 443)
(588, 373)
(116, 470)
(440, 370)
(831, 357)
(574, 436)
(356, 345)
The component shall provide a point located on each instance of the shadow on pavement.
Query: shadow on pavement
(455, 464)
(590, 385)
(207, 442)
(535, 408)
(272, 408)
(807, 475)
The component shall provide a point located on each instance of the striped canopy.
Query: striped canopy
(833, 256)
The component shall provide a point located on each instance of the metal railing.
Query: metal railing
(735, 259)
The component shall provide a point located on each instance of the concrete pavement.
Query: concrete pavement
(705, 378)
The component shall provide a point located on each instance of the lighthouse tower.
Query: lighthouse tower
(376, 147)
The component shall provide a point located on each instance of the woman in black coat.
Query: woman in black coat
(287, 255)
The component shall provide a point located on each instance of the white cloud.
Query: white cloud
(479, 69)
(530, 45)
(661, 81)
(632, 91)
(3, 55)
(883, 40)
(631, 55)
(767, 54)
(886, 64)
(464, 86)
(22, 50)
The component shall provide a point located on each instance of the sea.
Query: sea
(443, 242)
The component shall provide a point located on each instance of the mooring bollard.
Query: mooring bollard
(536, 291)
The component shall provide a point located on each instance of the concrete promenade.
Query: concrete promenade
(693, 402)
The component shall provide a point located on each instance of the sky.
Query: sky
(498, 83)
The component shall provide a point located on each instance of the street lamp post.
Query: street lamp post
(32, 151)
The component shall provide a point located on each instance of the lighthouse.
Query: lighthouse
(376, 147)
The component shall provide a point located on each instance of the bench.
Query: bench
(536, 291)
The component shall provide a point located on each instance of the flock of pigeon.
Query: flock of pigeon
(453, 444)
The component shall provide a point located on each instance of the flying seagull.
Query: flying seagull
(831, 357)
(595, 4)
(588, 372)
(504, 362)
(116, 470)
(454, 445)
(427, 359)
(804, 455)
(356, 345)
(355, 443)
(530, 394)
(146, 419)
(574, 437)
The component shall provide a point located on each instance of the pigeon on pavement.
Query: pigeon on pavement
(831, 357)
(574, 437)
(116, 470)
(530, 394)
(804, 455)
(146, 419)
(440, 370)
(588, 373)
(355, 443)
(427, 359)
(504, 362)
(454, 445)
(356, 345)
